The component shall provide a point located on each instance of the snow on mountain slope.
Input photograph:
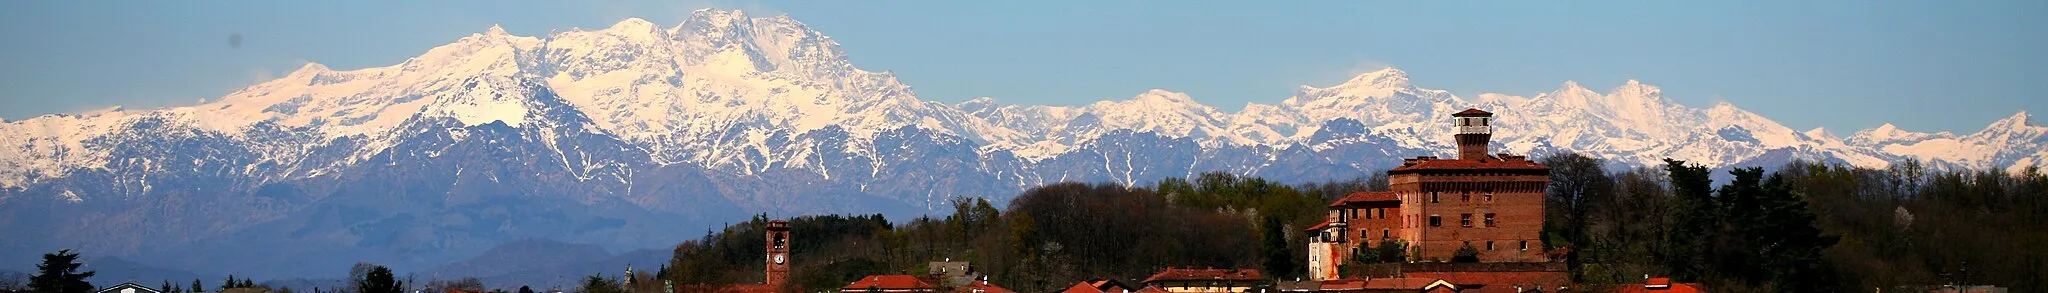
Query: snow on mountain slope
(2013, 144)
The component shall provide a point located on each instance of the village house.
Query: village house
(1186, 280)
(951, 273)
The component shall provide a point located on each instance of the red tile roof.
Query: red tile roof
(1662, 285)
(1486, 164)
(1082, 287)
(886, 282)
(1319, 226)
(1185, 274)
(1472, 112)
(1545, 280)
(1152, 290)
(985, 287)
(1366, 196)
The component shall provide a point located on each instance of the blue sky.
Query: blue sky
(1844, 65)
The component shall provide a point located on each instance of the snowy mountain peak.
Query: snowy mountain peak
(635, 24)
(496, 30)
(714, 17)
(1884, 134)
(2016, 121)
(308, 70)
(1638, 89)
(1384, 78)
(1165, 96)
(1572, 89)
(1819, 133)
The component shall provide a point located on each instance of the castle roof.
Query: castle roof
(1366, 196)
(1504, 162)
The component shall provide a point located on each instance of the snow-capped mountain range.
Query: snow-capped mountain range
(726, 114)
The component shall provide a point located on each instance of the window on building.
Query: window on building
(1465, 196)
(1382, 212)
(1489, 245)
(1489, 220)
(1384, 233)
(1436, 221)
(1432, 197)
(1465, 220)
(1525, 245)
(1489, 196)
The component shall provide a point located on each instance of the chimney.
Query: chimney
(1474, 131)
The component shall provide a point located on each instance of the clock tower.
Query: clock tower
(778, 253)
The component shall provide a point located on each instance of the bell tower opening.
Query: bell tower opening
(1475, 131)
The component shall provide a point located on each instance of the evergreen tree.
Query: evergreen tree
(59, 274)
(1684, 249)
(379, 279)
(196, 288)
(1790, 244)
(1279, 259)
(522, 289)
(166, 287)
(230, 283)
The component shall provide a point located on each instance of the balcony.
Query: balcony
(1475, 129)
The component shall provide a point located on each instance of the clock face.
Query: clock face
(778, 259)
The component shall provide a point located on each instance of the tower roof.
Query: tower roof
(1472, 112)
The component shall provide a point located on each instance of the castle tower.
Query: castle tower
(1475, 130)
(778, 254)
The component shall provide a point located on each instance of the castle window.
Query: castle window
(1432, 197)
(1386, 234)
(1465, 197)
(1489, 245)
(1382, 211)
(1489, 195)
(1525, 245)
(1465, 220)
(1489, 220)
(1436, 221)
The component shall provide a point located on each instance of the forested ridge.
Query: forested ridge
(1805, 227)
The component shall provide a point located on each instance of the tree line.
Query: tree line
(1046, 238)
(1804, 227)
